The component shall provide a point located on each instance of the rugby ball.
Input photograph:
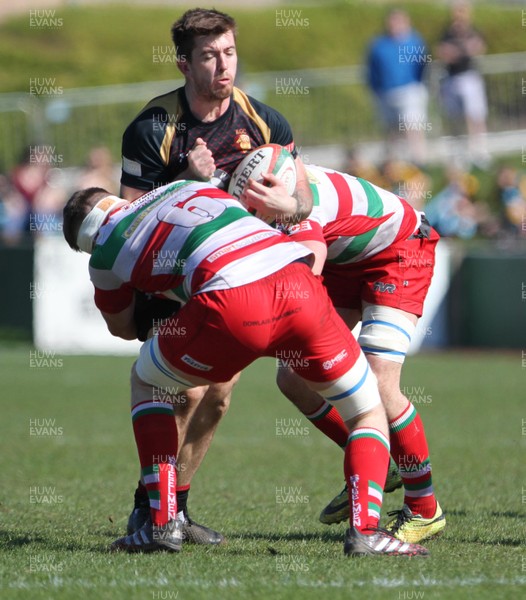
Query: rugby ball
(270, 158)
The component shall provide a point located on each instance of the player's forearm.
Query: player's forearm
(302, 193)
(303, 197)
(319, 250)
(122, 324)
(126, 331)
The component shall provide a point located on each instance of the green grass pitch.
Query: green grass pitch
(69, 468)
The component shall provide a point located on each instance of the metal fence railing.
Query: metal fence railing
(324, 106)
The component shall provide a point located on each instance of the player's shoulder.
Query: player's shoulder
(161, 109)
(314, 173)
(146, 134)
(171, 102)
(251, 106)
(272, 124)
(317, 172)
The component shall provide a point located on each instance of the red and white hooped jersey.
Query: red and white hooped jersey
(182, 239)
(355, 218)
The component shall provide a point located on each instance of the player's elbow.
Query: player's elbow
(121, 324)
(319, 250)
(124, 332)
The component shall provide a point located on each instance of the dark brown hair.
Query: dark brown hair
(199, 22)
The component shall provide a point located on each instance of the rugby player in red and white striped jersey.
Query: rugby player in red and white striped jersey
(377, 267)
(231, 269)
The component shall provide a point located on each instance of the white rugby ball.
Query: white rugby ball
(270, 158)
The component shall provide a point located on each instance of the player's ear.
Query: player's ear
(183, 65)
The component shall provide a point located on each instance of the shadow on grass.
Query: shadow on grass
(509, 514)
(13, 540)
(495, 542)
(288, 537)
(455, 513)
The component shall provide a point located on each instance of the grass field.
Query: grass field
(68, 483)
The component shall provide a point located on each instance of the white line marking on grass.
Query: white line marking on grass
(384, 582)
(401, 582)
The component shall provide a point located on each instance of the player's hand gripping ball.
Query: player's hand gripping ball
(270, 158)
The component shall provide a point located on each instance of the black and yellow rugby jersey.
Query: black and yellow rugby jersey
(155, 144)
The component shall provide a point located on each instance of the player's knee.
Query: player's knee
(140, 390)
(376, 417)
(386, 332)
(220, 406)
(217, 400)
(297, 391)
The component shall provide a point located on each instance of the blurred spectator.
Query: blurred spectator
(38, 181)
(46, 216)
(395, 66)
(29, 176)
(359, 167)
(13, 212)
(406, 180)
(100, 171)
(462, 89)
(512, 196)
(453, 212)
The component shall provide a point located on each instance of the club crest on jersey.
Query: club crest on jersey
(242, 140)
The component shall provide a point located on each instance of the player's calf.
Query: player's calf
(356, 396)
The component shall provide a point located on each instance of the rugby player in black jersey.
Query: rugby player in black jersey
(201, 131)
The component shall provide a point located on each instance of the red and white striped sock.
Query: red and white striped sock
(327, 419)
(365, 467)
(156, 438)
(411, 454)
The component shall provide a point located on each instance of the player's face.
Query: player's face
(212, 69)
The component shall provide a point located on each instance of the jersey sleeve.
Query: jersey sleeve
(112, 295)
(142, 164)
(281, 133)
(307, 231)
(113, 301)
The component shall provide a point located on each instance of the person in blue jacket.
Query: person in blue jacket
(396, 62)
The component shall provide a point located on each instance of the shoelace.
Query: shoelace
(401, 518)
(377, 529)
